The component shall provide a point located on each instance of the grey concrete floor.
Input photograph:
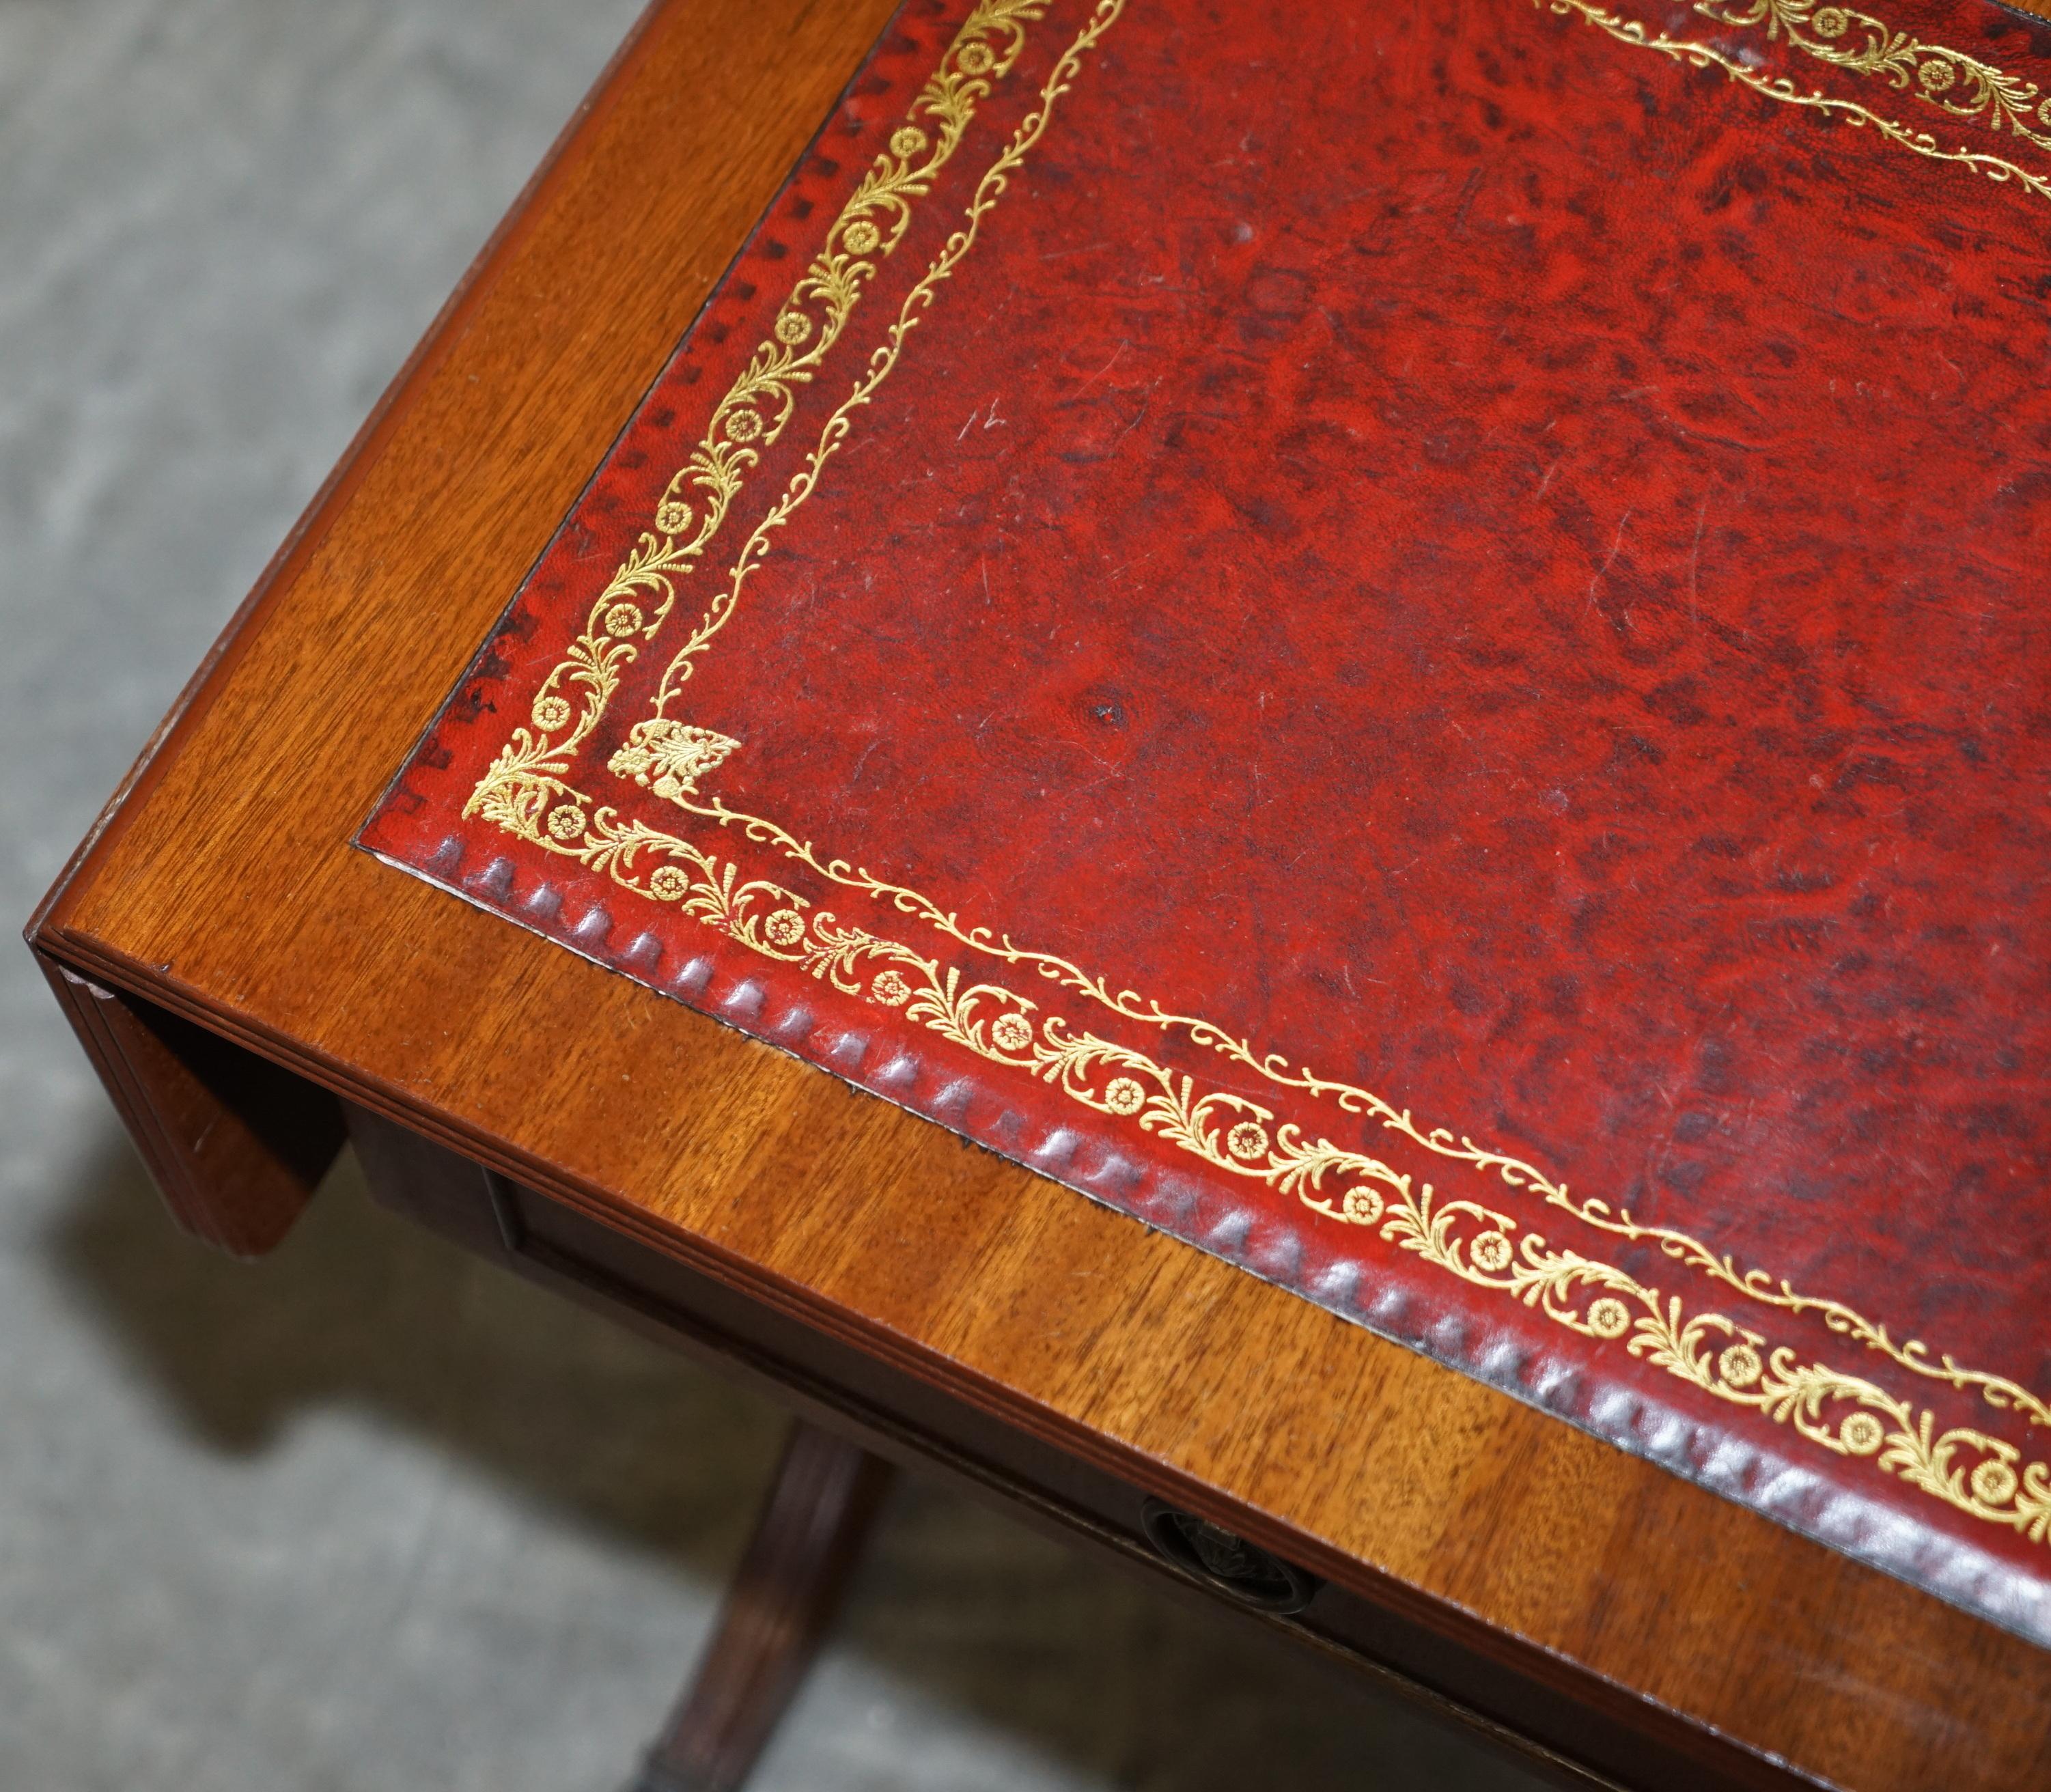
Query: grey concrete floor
(369, 1514)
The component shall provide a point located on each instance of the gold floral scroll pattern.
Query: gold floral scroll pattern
(1960, 84)
(1975, 1473)
(755, 409)
(661, 753)
(883, 361)
(1781, 89)
(1998, 1392)
(1981, 1475)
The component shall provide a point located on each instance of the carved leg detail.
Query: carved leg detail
(806, 1541)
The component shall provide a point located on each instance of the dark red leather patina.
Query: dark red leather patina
(1411, 641)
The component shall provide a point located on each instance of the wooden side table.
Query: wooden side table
(253, 989)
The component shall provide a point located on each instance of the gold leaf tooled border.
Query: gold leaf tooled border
(1947, 79)
(1974, 1473)
(1894, 57)
(755, 409)
(1977, 1474)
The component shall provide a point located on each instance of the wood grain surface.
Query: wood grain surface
(223, 888)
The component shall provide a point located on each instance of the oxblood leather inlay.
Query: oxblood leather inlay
(1411, 642)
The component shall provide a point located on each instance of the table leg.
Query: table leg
(806, 1541)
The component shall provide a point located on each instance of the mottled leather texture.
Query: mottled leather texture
(1409, 641)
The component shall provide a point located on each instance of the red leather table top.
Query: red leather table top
(1411, 642)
